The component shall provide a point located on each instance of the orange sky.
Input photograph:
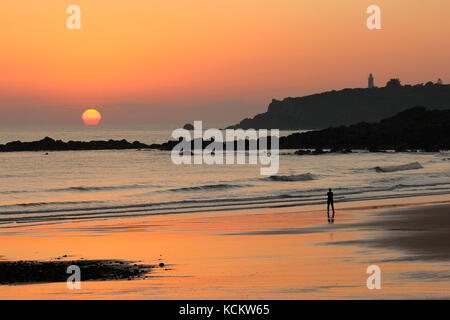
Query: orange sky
(215, 60)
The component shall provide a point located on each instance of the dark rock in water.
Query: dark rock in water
(415, 128)
(318, 151)
(432, 149)
(302, 152)
(340, 150)
(161, 264)
(188, 126)
(56, 271)
(49, 144)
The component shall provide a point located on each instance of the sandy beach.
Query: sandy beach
(188, 150)
(285, 253)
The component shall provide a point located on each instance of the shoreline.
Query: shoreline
(138, 211)
(283, 253)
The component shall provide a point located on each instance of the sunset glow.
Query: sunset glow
(234, 158)
(91, 117)
(221, 55)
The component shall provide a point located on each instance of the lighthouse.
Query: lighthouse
(371, 81)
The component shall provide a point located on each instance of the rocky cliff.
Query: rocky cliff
(347, 106)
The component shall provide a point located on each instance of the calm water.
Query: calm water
(61, 186)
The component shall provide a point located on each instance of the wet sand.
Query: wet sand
(286, 253)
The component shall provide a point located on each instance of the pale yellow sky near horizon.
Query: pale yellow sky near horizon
(150, 58)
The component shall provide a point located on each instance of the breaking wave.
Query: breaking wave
(295, 177)
(219, 186)
(105, 188)
(403, 167)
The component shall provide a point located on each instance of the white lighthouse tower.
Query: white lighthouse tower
(371, 81)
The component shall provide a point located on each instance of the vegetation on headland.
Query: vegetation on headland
(348, 106)
(413, 129)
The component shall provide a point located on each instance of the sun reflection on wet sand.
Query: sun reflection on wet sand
(290, 253)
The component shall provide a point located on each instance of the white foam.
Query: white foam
(403, 167)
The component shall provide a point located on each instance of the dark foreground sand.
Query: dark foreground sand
(423, 233)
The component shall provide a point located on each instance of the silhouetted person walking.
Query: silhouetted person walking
(330, 201)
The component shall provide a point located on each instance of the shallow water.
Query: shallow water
(39, 188)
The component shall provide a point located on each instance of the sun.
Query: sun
(91, 117)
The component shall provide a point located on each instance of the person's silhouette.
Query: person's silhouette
(330, 201)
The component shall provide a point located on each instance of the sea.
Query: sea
(40, 188)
